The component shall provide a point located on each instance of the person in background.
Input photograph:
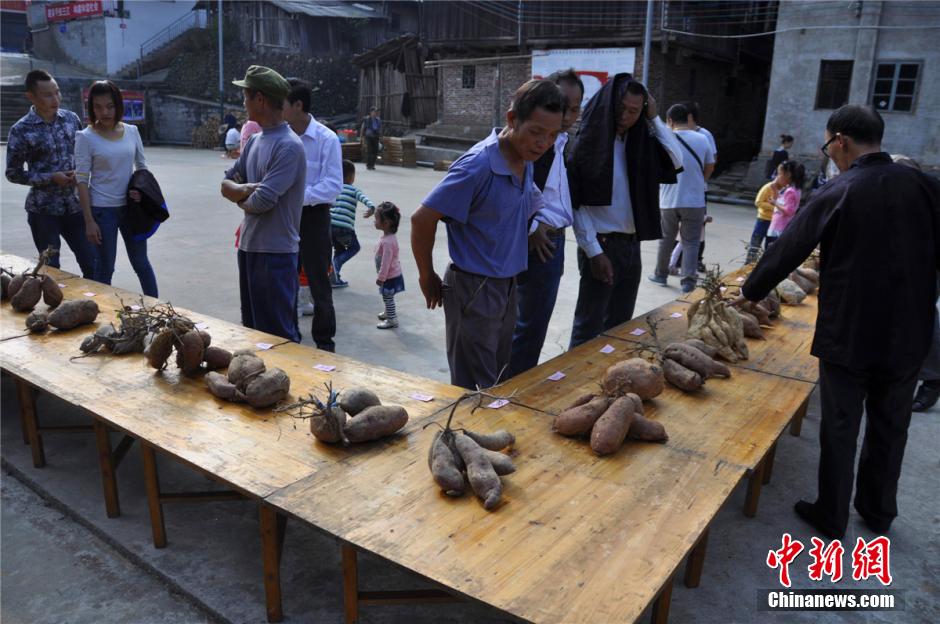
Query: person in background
(107, 153)
(343, 222)
(324, 167)
(267, 184)
(232, 141)
(622, 154)
(693, 123)
(248, 129)
(537, 286)
(878, 229)
(387, 265)
(369, 134)
(486, 200)
(789, 178)
(44, 141)
(682, 205)
(780, 155)
(766, 202)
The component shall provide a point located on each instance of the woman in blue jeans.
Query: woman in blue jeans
(107, 153)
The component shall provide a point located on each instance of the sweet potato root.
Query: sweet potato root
(326, 423)
(707, 349)
(267, 388)
(634, 375)
(502, 464)
(189, 353)
(480, 472)
(5, 286)
(244, 366)
(216, 358)
(220, 386)
(444, 467)
(16, 282)
(790, 292)
(647, 430)
(375, 422)
(354, 400)
(160, 349)
(37, 322)
(51, 293)
(584, 399)
(72, 314)
(579, 420)
(611, 428)
(28, 294)
(695, 360)
(681, 377)
(496, 441)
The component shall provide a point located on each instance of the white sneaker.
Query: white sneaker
(306, 309)
(388, 324)
(381, 316)
(304, 302)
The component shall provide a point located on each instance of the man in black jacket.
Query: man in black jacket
(622, 154)
(878, 228)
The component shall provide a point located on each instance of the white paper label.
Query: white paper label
(206, 326)
(739, 279)
(498, 403)
(61, 285)
(556, 376)
(638, 332)
(607, 349)
(422, 397)
(89, 294)
(264, 346)
(137, 308)
(324, 367)
(676, 315)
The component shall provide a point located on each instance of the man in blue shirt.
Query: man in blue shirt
(370, 131)
(486, 201)
(44, 141)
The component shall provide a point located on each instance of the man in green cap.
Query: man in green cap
(267, 183)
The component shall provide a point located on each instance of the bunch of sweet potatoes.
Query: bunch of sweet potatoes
(248, 381)
(194, 351)
(27, 288)
(354, 415)
(459, 458)
(608, 421)
(67, 315)
(689, 363)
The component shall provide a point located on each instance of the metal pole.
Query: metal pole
(647, 40)
(221, 71)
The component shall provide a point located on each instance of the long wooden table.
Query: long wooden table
(577, 538)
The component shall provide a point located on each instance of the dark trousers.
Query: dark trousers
(268, 283)
(600, 306)
(887, 396)
(345, 246)
(536, 292)
(49, 229)
(372, 147)
(479, 316)
(316, 252)
(758, 238)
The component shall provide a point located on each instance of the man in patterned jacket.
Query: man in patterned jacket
(44, 141)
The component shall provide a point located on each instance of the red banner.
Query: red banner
(14, 6)
(64, 11)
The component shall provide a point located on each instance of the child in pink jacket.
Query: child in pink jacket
(389, 281)
(790, 175)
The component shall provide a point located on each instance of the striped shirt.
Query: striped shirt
(343, 212)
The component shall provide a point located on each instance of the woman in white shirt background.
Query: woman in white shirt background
(107, 153)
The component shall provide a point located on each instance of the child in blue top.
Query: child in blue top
(343, 222)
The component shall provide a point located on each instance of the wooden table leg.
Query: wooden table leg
(693, 569)
(272, 539)
(350, 584)
(112, 504)
(152, 485)
(796, 424)
(753, 490)
(660, 613)
(27, 398)
(769, 463)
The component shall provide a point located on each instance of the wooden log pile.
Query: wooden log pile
(352, 151)
(399, 152)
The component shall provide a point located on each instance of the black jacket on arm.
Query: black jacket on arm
(591, 166)
(878, 228)
(145, 217)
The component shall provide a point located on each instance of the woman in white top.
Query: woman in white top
(107, 153)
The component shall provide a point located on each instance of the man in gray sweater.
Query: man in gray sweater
(267, 183)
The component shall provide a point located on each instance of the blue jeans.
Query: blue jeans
(47, 230)
(758, 238)
(110, 220)
(537, 290)
(345, 246)
(268, 284)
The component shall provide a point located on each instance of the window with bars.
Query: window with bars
(895, 86)
(469, 78)
(835, 78)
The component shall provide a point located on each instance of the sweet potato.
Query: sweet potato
(267, 388)
(189, 352)
(28, 295)
(375, 422)
(496, 441)
(37, 322)
(695, 360)
(681, 377)
(707, 349)
(750, 325)
(206, 338)
(326, 424)
(611, 428)
(502, 464)
(790, 292)
(160, 349)
(634, 375)
(354, 400)
(244, 366)
(16, 282)
(5, 286)
(480, 472)
(771, 303)
(444, 468)
(72, 314)
(647, 430)
(51, 293)
(578, 420)
(637, 402)
(809, 274)
(807, 286)
(216, 358)
(584, 399)
(220, 386)
(127, 344)
(760, 313)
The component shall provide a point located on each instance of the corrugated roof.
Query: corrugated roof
(328, 9)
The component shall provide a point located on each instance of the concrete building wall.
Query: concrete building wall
(791, 107)
(146, 19)
(172, 118)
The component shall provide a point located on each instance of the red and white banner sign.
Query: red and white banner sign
(595, 66)
(64, 11)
